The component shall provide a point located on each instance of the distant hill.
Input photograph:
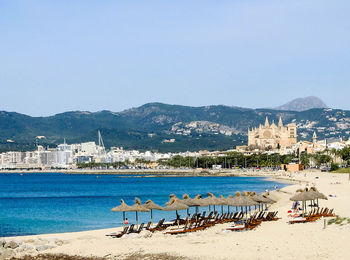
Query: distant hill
(302, 104)
(154, 125)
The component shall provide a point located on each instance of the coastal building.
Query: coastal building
(271, 136)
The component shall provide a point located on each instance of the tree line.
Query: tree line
(332, 158)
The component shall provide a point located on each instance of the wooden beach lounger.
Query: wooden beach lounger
(118, 234)
(148, 225)
(138, 230)
(159, 226)
(131, 229)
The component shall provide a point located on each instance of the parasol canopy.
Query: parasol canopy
(123, 207)
(151, 206)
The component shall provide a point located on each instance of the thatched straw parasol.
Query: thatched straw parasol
(238, 200)
(151, 206)
(317, 194)
(195, 202)
(175, 204)
(271, 196)
(224, 201)
(250, 200)
(122, 208)
(260, 199)
(228, 202)
(171, 196)
(212, 200)
(302, 195)
(137, 207)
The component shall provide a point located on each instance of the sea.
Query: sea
(42, 203)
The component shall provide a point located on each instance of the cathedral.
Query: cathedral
(273, 136)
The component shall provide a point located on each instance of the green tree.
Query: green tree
(345, 154)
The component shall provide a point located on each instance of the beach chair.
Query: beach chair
(131, 229)
(198, 226)
(298, 220)
(273, 217)
(330, 213)
(221, 218)
(148, 225)
(159, 227)
(228, 217)
(176, 231)
(118, 234)
(239, 226)
(234, 216)
(138, 230)
(210, 215)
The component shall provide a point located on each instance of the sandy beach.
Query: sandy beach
(272, 240)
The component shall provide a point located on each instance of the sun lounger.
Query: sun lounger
(298, 220)
(148, 225)
(191, 227)
(131, 229)
(159, 227)
(138, 230)
(118, 234)
(237, 227)
(330, 213)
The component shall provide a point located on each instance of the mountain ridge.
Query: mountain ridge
(146, 127)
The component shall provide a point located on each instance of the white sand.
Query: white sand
(271, 240)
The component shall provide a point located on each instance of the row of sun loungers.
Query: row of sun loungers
(200, 222)
(254, 221)
(314, 215)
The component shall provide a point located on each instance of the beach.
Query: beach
(272, 240)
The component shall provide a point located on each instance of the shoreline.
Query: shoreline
(180, 172)
(274, 240)
(149, 173)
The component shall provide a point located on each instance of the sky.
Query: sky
(58, 56)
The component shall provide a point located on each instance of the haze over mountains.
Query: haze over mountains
(163, 127)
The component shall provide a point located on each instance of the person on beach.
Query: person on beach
(126, 221)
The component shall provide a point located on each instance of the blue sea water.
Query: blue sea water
(39, 203)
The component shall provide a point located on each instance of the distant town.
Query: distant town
(269, 145)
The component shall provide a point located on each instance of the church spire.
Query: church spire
(280, 123)
(267, 122)
(314, 138)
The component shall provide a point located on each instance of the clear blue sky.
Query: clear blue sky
(59, 55)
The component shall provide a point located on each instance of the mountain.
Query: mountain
(302, 104)
(163, 127)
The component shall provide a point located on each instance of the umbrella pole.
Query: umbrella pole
(228, 208)
(188, 212)
(214, 208)
(137, 221)
(151, 217)
(177, 219)
(222, 209)
(123, 219)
